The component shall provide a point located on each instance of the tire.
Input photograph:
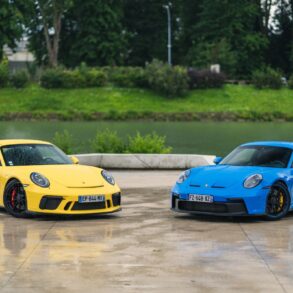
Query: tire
(278, 202)
(15, 199)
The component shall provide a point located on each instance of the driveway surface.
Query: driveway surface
(145, 248)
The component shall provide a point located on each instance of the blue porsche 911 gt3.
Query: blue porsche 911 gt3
(254, 179)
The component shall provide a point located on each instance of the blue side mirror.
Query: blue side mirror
(217, 160)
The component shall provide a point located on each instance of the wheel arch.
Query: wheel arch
(5, 187)
(281, 181)
(9, 180)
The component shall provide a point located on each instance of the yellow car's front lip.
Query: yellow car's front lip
(45, 201)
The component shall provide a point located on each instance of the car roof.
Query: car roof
(284, 144)
(5, 142)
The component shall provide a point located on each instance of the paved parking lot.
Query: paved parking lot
(145, 248)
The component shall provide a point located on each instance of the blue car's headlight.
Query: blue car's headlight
(108, 177)
(183, 176)
(252, 181)
(40, 180)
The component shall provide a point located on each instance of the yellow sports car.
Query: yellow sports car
(37, 177)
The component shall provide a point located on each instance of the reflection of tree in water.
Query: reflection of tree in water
(14, 236)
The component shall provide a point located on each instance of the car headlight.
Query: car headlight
(40, 180)
(252, 181)
(183, 176)
(108, 177)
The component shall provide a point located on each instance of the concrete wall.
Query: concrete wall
(144, 161)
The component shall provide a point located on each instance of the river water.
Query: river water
(215, 138)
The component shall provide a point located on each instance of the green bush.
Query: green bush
(64, 141)
(203, 79)
(127, 76)
(150, 143)
(107, 141)
(95, 78)
(267, 78)
(52, 78)
(72, 79)
(79, 78)
(4, 73)
(167, 80)
(19, 79)
(290, 82)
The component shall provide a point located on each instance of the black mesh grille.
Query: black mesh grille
(88, 206)
(235, 207)
(116, 199)
(50, 202)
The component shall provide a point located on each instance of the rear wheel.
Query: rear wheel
(278, 202)
(15, 199)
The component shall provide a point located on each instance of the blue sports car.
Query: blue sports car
(254, 179)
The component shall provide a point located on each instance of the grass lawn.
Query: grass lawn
(232, 99)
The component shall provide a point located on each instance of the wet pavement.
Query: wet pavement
(145, 248)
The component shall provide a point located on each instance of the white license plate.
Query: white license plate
(201, 198)
(91, 198)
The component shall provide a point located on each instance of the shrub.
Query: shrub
(64, 141)
(167, 80)
(150, 143)
(79, 78)
(267, 78)
(95, 78)
(202, 79)
(72, 79)
(290, 82)
(4, 73)
(127, 76)
(19, 79)
(52, 78)
(107, 141)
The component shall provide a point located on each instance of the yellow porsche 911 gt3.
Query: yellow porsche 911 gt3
(37, 177)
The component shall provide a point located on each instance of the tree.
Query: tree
(45, 18)
(204, 54)
(280, 54)
(11, 18)
(238, 22)
(146, 23)
(93, 33)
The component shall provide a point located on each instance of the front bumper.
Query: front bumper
(47, 202)
(226, 201)
(233, 208)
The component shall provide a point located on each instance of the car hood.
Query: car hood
(223, 176)
(71, 176)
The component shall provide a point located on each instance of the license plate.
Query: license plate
(201, 198)
(91, 198)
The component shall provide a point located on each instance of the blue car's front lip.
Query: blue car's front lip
(254, 199)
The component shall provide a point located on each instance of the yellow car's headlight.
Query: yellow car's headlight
(108, 177)
(40, 180)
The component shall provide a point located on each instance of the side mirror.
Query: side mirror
(74, 160)
(218, 160)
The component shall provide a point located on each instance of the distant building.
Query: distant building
(19, 56)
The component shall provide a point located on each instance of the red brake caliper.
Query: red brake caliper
(13, 196)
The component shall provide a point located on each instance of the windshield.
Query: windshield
(33, 154)
(263, 156)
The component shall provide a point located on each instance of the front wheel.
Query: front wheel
(15, 199)
(278, 202)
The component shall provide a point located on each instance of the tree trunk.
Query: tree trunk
(267, 14)
(52, 42)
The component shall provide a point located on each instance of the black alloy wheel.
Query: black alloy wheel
(278, 202)
(15, 199)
